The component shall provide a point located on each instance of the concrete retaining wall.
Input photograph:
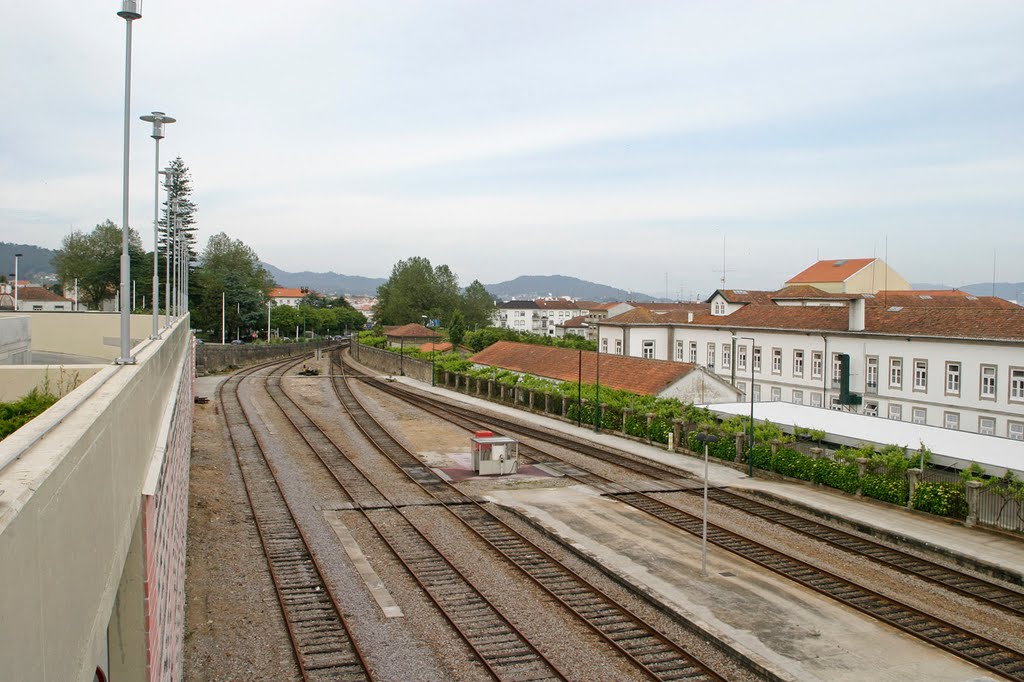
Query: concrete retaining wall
(15, 340)
(92, 334)
(387, 362)
(17, 380)
(218, 357)
(70, 523)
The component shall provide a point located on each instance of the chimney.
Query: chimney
(689, 316)
(856, 307)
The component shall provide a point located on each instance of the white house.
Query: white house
(288, 295)
(942, 358)
(522, 316)
(42, 299)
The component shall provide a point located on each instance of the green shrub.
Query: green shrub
(885, 488)
(836, 474)
(941, 498)
(16, 414)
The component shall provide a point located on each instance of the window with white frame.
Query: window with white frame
(952, 378)
(895, 412)
(719, 307)
(871, 408)
(816, 363)
(604, 345)
(757, 358)
(776, 393)
(951, 420)
(920, 375)
(726, 356)
(741, 357)
(618, 346)
(776, 361)
(798, 397)
(919, 415)
(680, 351)
(693, 352)
(757, 393)
(1015, 430)
(647, 349)
(741, 386)
(815, 399)
(895, 372)
(837, 369)
(988, 382)
(987, 426)
(871, 375)
(1017, 384)
(711, 355)
(798, 363)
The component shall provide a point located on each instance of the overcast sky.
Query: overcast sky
(619, 142)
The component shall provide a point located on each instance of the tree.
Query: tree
(416, 289)
(94, 259)
(477, 306)
(457, 328)
(181, 189)
(229, 267)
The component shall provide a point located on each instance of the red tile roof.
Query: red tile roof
(831, 270)
(39, 294)
(285, 292)
(557, 305)
(412, 330)
(646, 377)
(944, 298)
(578, 321)
(436, 347)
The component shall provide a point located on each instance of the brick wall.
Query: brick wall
(165, 520)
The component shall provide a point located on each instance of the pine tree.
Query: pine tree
(180, 189)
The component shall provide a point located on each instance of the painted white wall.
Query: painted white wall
(968, 404)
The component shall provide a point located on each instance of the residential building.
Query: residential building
(557, 312)
(942, 358)
(35, 299)
(289, 295)
(852, 276)
(522, 316)
(412, 334)
(575, 326)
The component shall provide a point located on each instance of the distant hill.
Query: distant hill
(1011, 291)
(528, 287)
(326, 282)
(33, 265)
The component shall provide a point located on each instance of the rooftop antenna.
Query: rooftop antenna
(993, 273)
(723, 270)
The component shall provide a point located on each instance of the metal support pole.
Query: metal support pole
(126, 357)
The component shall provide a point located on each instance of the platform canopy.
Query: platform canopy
(948, 447)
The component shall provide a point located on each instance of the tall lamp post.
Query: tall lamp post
(706, 438)
(158, 119)
(597, 396)
(130, 11)
(16, 257)
(169, 174)
(750, 447)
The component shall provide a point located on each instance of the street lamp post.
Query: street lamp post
(705, 438)
(130, 11)
(597, 394)
(268, 321)
(16, 257)
(169, 174)
(158, 119)
(750, 446)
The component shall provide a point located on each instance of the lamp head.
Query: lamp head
(158, 119)
(130, 10)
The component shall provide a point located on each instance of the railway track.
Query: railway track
(638, 641)
(321, 640)
(934, 630)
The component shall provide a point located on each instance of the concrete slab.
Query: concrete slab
(790, 630)
(369, 576)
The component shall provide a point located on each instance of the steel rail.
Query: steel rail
(322, 643)
(932, 629)
(638, 641)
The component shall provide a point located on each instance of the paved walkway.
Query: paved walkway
(1002, 553)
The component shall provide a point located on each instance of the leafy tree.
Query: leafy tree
(94, 258)
(477, 306)
(415, 289)
(230, 267)
(457, 328)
